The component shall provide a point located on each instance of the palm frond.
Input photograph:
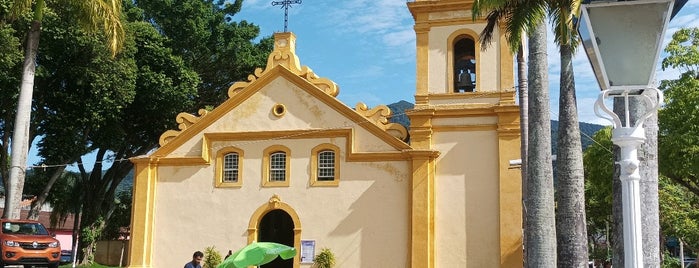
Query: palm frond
(525, 16)
(563, 14)
(486, 36)
(514, 17)
(105, 15)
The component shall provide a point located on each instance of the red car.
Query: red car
(25, 242)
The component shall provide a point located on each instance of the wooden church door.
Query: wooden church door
(277, 226)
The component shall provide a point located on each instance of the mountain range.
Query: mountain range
(587, 130)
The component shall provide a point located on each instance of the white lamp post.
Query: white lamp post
(623, 42)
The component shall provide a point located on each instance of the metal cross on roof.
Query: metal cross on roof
(285, 5)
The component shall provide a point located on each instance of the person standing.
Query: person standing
(197, 257)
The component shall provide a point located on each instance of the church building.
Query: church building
(283, 160)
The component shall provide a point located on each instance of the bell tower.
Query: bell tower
(467, 208)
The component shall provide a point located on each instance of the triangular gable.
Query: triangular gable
(283, 64)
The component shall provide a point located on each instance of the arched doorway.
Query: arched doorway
(277, 226)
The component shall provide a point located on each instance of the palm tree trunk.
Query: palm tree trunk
(571, 229)
(20, 136)
(523, 118)
(77, 222)
(524, 129)
(648, 169)
(650, 209)
(540, 228)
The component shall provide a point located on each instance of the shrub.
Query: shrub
(324, 259)
(211, 257)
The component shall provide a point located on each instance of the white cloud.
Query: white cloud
(255, 4)
(400, 38)
(586, 115)
(370, 17)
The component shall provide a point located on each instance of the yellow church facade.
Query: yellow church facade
(284, 160)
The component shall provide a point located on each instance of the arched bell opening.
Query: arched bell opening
(464, 71)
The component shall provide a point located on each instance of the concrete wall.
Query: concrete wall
(112, 253)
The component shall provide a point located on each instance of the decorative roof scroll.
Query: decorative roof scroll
(379, 116)
(185, 120)
(284, 54)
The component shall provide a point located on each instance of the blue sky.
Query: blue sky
(368, 48)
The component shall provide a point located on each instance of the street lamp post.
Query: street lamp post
(623, 41)
(629, 136)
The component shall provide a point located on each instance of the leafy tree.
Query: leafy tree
(121, 217)
(678, 139)
(91, 15)
(116, 106)
(599, 166)
(62, 190)
(679, 213)
(84, 89)
(207, 38)
(157, 84)
(679, 119)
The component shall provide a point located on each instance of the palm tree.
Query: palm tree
(571, 227)
(518, 17)
(92, 15)
(572, 242)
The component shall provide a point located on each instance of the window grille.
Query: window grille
(277, 166)
(230, 167)
(326, 165)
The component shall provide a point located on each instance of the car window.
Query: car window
(10, 228)
(24, 228)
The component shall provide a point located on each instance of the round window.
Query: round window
(279, 110)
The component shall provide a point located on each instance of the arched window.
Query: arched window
(325, 165)
(276, 160)
(229, 166)
(277, 166)
(464, 53)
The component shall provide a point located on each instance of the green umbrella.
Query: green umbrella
(258, 253)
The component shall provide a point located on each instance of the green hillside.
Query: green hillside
(587, 130)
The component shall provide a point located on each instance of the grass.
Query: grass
(94, 265)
